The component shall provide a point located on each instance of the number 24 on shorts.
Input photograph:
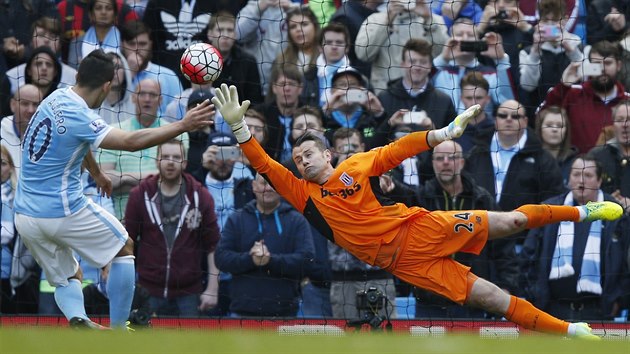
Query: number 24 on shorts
(469, 226)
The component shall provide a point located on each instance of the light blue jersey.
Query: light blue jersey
(57, 139)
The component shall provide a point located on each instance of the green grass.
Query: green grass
(158, 341)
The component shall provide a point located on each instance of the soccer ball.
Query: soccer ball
(201, 63)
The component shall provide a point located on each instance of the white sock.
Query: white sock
(571, 329)
(583, 213)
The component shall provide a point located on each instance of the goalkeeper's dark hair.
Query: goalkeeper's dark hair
(310, 136)
(95, 70)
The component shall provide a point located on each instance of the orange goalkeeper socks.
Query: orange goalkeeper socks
(542, 214)
(523, 313)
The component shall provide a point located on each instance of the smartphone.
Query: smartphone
(551, 31)
(229, 152)
(592, 69)
(473, 46)
(356, 96)
(417, 118)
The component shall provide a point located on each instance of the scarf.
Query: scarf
(111, 43)
(350, 122)
(325, 73)
(561, 263)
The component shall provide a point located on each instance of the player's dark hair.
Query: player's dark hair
(95, 70)
(309, 136)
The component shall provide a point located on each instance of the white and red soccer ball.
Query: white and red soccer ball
(201, 63)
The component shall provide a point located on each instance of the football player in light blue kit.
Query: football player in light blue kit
(54, 216)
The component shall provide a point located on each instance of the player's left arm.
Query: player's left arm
(103, 182)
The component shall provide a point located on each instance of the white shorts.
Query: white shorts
(92, 232)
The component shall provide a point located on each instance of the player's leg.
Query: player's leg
(57, 261)
(121, 285)
(489, 297)
(100, 239)
(531, 216)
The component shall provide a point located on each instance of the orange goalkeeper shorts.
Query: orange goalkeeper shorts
(425, 258)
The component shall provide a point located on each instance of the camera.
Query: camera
(551, 31)
(229, 152)
(356, 96)
(473, 46)
(371, 299)
(592, 69)
(502, 15)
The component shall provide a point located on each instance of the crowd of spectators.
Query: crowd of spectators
(550, 75)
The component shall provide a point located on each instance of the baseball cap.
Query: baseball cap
(349, 70)
(198, 96)
(221, 139)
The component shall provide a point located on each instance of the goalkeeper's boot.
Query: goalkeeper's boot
(584, 331)
(606, 211)
(83, 323)
(458, 125)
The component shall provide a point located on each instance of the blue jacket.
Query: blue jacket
(273, 289)
(538, 252)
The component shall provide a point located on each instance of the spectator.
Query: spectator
(606, 20)
(23, 105)
(574, 270)
(553, 128)
(102, 34)
(174, 26)
(137, 48)
(614, 157)
(349, 273)
(414, 91)
(239, 68)
(352, 13)
(261, 29)
(18, 17)
(75, 19)
(128, 169)
(229, 184)
(451, 189)
(475, 90)
(284, 98)
(118, 104)
(199, 138)
(46, 31)
(575, 9)
(504, 18)
(383, 35)
(171, 218)
(510, 163)
(42, 69)
(8, 178)
(336, 42)
(265, 246)
(352, 104)
(453, 63)
(303, 50)
(589, 104)
(541, 65)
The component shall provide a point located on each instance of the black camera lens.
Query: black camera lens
(502, 15)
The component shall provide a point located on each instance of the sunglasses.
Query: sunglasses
(513, 115)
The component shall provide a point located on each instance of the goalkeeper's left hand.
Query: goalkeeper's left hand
(226, 101)
(456, 128)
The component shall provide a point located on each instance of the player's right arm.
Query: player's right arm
(196, 118)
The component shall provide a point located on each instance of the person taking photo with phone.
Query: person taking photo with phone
(588, 90)
(454, 62)
(553, 48)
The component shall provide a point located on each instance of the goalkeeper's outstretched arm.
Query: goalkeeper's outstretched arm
(455, 129)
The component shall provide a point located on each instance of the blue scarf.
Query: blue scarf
(351, 122)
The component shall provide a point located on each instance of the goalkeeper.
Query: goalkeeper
(346, 205)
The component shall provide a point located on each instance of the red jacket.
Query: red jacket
(587, 112)
(176, 271)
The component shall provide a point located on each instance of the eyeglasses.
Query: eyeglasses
(512, 115)
(442, 158)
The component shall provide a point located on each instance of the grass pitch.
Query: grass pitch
(174, 341)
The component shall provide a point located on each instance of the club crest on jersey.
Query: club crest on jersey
(98, 125)
(346, 179)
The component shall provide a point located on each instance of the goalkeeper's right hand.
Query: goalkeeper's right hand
(226, 101)
(456, 128)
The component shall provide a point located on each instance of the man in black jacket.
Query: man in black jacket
(511, 164)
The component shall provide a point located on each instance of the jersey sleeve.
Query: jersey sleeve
(393, 154)
(93, 129)
(291, 188)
